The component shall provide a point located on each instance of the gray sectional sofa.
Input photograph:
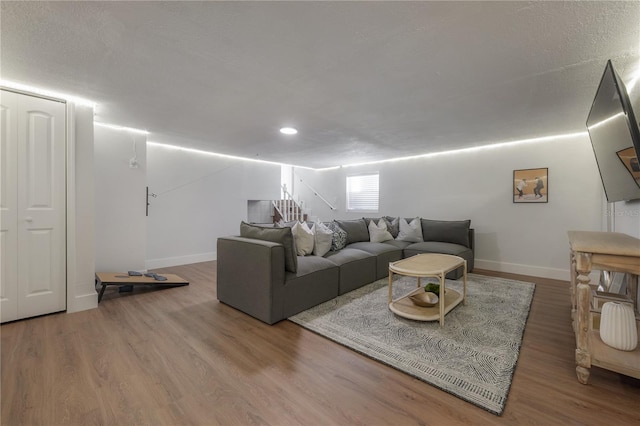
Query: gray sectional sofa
(260, 274)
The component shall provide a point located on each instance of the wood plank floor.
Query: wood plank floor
(179, 357)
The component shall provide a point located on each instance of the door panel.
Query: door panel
(40, 161)
(41, 207)
(8, 207)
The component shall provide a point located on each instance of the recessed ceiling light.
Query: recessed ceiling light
(288, 131)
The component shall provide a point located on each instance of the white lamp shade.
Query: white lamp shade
(618, 327)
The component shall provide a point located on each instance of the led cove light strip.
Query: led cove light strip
(121, 128)
(47, 93)
(390, 160)
(230, 157)
(462, 150)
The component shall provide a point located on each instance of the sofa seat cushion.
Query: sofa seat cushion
(357, 268)
(444, 248)
(384, 254)
(374, 248)
(399, 244)
(309, 265)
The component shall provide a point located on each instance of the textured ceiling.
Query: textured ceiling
(361, 81)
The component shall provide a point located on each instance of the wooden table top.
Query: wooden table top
(426, 264)
(613, 243)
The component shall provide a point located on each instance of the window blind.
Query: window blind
(362, 193)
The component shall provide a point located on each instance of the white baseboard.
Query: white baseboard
(533, 271)
(180, 260)
(83, 302)
(515, 268)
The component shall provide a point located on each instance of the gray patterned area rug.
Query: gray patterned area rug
(472, 357)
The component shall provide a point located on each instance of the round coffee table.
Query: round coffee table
(427, 265)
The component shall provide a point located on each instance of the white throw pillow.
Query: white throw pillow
(379, 233)
(303, 238)
(410, 232)
(323, 237)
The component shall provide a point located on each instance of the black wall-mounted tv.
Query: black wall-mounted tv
(615, 137)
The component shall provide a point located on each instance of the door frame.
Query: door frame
(70, 190)
(71, 202)
(80, 282)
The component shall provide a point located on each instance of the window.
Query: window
(362, 193)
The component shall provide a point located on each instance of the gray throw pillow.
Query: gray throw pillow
(393, 225)
(339, 239)
(446, 231)
(356, 230)
(275, 235)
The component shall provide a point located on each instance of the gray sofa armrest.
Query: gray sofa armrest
(250, 277)
(472, 240)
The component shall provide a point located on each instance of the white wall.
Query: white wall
(521, 238)
(199, 198)
(120, 224)
(81, 293)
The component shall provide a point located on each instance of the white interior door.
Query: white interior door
(8, 207)
(41, 206)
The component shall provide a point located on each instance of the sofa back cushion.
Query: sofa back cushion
(275, 235)
(367, 220)
(356, 230)
(446, 231)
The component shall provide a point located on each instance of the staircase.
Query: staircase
(287, 209)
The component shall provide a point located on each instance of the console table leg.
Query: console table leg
(583, 374)
(573, 283)
(443, 292)
(582, 322)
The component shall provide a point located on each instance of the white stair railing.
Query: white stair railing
(288, 209)
(331, 206)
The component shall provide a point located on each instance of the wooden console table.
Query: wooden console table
(605, 251)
